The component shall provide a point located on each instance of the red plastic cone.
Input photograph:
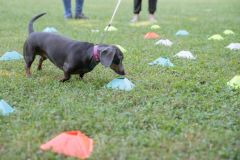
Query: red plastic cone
(151, 35)
(72, 143)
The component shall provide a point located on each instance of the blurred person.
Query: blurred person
(152, 6)
(78, 9)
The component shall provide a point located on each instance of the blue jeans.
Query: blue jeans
(67, 8)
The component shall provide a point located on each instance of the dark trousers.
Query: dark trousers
(152, 6)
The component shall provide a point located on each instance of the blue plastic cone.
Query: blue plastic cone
(165, 62)
(5, 108)
(121, 84)
(50, 29)
(12, 55)
(182, 33)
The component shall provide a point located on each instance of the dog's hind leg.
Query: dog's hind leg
(40, 62)
(29, 57)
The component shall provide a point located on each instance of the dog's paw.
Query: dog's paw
(63, 80)
(28, 75)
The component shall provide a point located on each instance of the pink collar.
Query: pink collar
(96, 53)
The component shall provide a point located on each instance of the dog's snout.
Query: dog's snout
(119, 69)
(122, 73)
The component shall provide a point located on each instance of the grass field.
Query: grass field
(184, 112)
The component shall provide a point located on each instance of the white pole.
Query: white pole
(111, 20)
(115, 11)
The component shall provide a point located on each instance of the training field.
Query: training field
(183, 112)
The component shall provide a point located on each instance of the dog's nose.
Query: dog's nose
(122, 73)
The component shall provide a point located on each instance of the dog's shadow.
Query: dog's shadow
(89, 81)
(50, 74)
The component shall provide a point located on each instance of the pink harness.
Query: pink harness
(95, 53)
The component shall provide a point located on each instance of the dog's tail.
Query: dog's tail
(30, 24)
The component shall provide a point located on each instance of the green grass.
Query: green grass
(184, 112)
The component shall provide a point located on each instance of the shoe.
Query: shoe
(135, 18)
(68, 17)
(152, 18)
(81, 16)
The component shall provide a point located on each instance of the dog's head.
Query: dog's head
(111, 56)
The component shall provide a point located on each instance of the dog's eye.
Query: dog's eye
(120, 57)
(116, 61)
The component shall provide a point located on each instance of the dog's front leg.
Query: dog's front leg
(66, 70)
(66, 77)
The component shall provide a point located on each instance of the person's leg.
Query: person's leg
(79, 5)
(152, 6)
(78, 12)
(67, 8)
(137, 5)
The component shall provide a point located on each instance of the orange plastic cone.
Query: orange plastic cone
(72, 143)
(151, 35)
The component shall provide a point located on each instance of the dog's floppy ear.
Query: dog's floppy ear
(106, 56)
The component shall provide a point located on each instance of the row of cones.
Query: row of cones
(77, 144)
